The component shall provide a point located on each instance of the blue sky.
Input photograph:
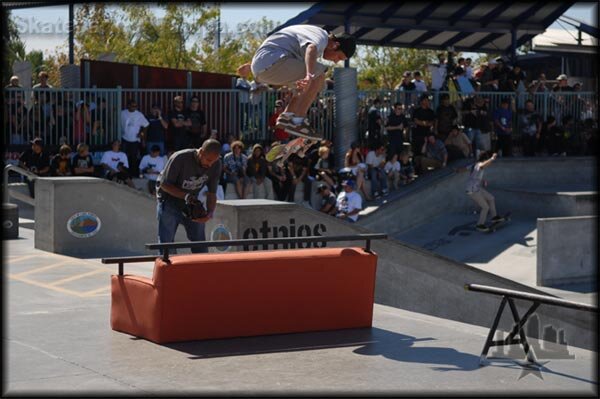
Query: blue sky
(231, 15)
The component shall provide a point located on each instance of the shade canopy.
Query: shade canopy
(470, 26)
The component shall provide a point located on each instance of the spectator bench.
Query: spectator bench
(237, 294)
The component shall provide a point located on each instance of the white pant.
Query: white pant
(486, 201)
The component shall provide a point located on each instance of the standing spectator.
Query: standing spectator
(485, 121)
(328, 199)
(560, 103)
(531, 128)
(99, 123)
(61, 162)
(234, 166)
(36, 160)
(392, 170)
(396, 128)
(324, 167)
(375, 124)
(179, 121)
(133, 129)
(434, 155)
(82, 163)
(278, 134)
(503, 72)
(552, 137)
(151, 166)
(13, 83)
(540, 84)
(407, 86)
(43, 84)
(469, 68)
(243, 86)
(349, 202)
(16, 119)
(81, 122)
(490, 77)
(155, 135)
(516, 77)
(116, 165)
(446, 117)
(257, 169)
(457, 144)
(438, 72)
(407, 169)
(198, 130)
(377, 175)
(424, 120)
(420, 85)
(503, 127)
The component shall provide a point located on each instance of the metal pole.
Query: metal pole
(347, 30)
(71, 35)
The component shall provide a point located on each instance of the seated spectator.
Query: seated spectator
(116, 165)
(407, 169)
(151, 166)
(328, 200)
(280, 179)
(234, 166)
(349, 202)
(155, 135)
(82, 162)
(61, 162)
(392, 171)
(420, 85)
(354, 160)
(458, 144)
(446, 116)
(434, 155)
(36, 161)
(257, 170)
(377, 175)
(325, 170)
(297, 168)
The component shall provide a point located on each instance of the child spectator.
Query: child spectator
(151, 166)
(234, 166)
(407, 169)
(325, 169)
(116, 165)
(82, 162)
(420, 85)
(257, 170)
(328, 200)
(392, 170)
(61, 162)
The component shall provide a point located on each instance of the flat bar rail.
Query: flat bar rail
(19, 170)
(508, 296)
(166, 247)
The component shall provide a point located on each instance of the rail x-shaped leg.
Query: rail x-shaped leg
(517, 329)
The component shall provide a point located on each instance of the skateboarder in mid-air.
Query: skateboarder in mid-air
(478, 194)
(288, 57)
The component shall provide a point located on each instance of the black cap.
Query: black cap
(321, 187)
(37, 141)
(347, 44)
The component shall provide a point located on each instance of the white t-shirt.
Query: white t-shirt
(112, 159)
(347, 202)
(475, 178)
(469, 71)
(438, 75)
(289, 42)
(131, 122)
(156, 163)
(392, 167)
(374, 160)
(420, 85)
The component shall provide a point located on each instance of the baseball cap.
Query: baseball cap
(279, 103)
(347, 44)
(349, 183)
(37, 141)
(321, 187)
(562, 76)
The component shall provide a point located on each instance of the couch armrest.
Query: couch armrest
(135, 306)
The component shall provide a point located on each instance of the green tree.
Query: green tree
(15, 49)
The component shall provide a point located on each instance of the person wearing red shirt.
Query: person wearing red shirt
(280, 134)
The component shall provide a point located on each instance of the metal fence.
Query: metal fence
(94, 115)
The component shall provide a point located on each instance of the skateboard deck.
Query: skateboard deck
(282, 152)
(495, 225)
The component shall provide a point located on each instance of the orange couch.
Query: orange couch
(205, 296)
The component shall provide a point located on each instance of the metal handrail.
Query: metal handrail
(19, 170)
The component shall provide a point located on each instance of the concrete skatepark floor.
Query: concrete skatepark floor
(58, 340)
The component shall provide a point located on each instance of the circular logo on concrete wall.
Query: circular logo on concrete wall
(7, 224)
(221, 233)
(83, 225)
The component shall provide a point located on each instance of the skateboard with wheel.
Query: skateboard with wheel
(495, 225)
(282, 152)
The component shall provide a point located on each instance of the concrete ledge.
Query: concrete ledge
(567, 250)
